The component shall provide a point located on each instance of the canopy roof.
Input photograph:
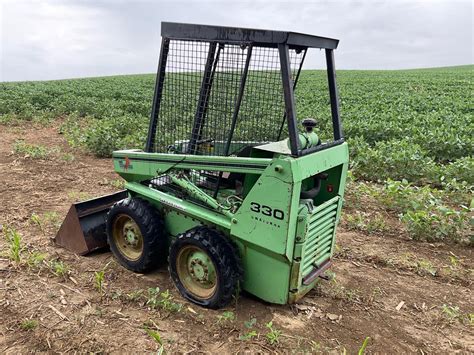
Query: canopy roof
(260, 37)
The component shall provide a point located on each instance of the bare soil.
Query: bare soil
(374, 274)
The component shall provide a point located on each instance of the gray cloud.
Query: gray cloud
(62, 39)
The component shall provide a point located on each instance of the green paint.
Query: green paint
(281, 238)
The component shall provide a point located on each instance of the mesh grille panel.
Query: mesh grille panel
(200, 96)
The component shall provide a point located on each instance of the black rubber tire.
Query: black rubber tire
(224, 255)
(152, 229)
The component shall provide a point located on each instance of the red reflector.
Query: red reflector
(330, 188)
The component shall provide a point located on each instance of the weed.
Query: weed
(35, 259)
(29, 324)
(167, 303)
(49, 219)
(36, 219)
(451, 313)
(315, 347)
(227, 316)
(67, 157)
(273, 334)
(117, 183)
(32, 151)
(454, 261)
(366, 223)
(116, 295)
(364, 346)
(425, 266)
(250, 323)
(59, 268)
(157, 338)
(249, 335)
(163, 300)
(15, 247)
(134, 296)
(99, 277)
(78, 195)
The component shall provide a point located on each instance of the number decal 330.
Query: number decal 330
(267, 210)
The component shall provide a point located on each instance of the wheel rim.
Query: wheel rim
(127, 237)
(196, 272)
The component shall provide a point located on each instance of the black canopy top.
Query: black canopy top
(265, 38)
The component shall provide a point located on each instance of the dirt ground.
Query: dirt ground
(408, 297)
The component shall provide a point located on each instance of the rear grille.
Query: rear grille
(321, 223)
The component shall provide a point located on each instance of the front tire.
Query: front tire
(205, 267)
(135, 235)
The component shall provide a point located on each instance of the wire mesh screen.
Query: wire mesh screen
(218, 98)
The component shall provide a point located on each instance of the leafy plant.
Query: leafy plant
(226, 316)
(59, 268)
(273, 334)
(35, 259)
(451, 312)
(364, 346)
(249, 335)
(29, 324)
(163, 300)
(250, 323)
(15, 246)
(99, 277)
(49, 219)
(32, 151)
(157, 338)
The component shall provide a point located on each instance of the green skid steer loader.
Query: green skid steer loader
(233, 190)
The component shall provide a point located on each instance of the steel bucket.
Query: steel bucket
(84, 228)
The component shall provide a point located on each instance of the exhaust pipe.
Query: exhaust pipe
(84, 228)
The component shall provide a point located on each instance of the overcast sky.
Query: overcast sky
(56, 39)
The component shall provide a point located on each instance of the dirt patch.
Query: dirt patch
(405, 296)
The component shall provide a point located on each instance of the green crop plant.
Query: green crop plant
(428, 107)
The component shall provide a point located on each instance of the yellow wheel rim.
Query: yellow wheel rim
(127, 237)
(197, 272)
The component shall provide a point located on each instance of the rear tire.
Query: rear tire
(136, 235)
(205, 267)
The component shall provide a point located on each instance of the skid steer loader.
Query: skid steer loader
(230, 190)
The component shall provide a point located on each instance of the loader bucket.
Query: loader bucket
(84, 228)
